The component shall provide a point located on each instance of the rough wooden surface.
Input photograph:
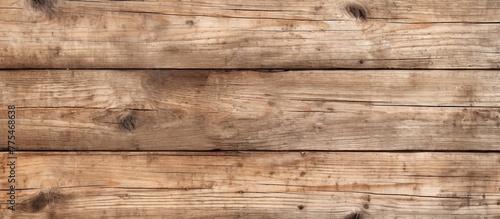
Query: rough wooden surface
(255, 185)
(244, 110)
(382, 142)
(249, 34)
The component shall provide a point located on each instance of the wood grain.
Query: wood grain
(255, 185)
(292, 34)
(247, 110)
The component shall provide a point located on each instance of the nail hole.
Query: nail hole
(366, 206)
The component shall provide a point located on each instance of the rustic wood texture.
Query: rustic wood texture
(414, 132)
(250, 34)
(255, 185)
(246, 110)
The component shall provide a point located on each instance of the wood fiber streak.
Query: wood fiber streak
(255, 185)
(247, 110)
(293, 34)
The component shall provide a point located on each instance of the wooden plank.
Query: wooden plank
(254, 185)
(287, 34)
(245, 110)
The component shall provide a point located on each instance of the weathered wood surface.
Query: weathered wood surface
(250, 34)
(255, 185)
(245, 110)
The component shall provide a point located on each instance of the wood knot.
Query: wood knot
(44, 6)
(353, 215)
(41, 200)
(128, 122)
(356, 11)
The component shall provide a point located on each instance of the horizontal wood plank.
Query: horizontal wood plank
(245, 110)
(254, 185)
(291, 34)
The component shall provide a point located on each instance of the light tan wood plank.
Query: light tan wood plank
(250, 34)
(245, 110)
(255, 185)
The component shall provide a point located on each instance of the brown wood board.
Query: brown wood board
(255, 185)
(293, 34)
(247, 110)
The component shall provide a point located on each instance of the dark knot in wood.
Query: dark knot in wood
(128, 122)
(357, 11)
(41, 200)
(354, 215)
(45, 6)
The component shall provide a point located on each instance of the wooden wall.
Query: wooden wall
(250, 109)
